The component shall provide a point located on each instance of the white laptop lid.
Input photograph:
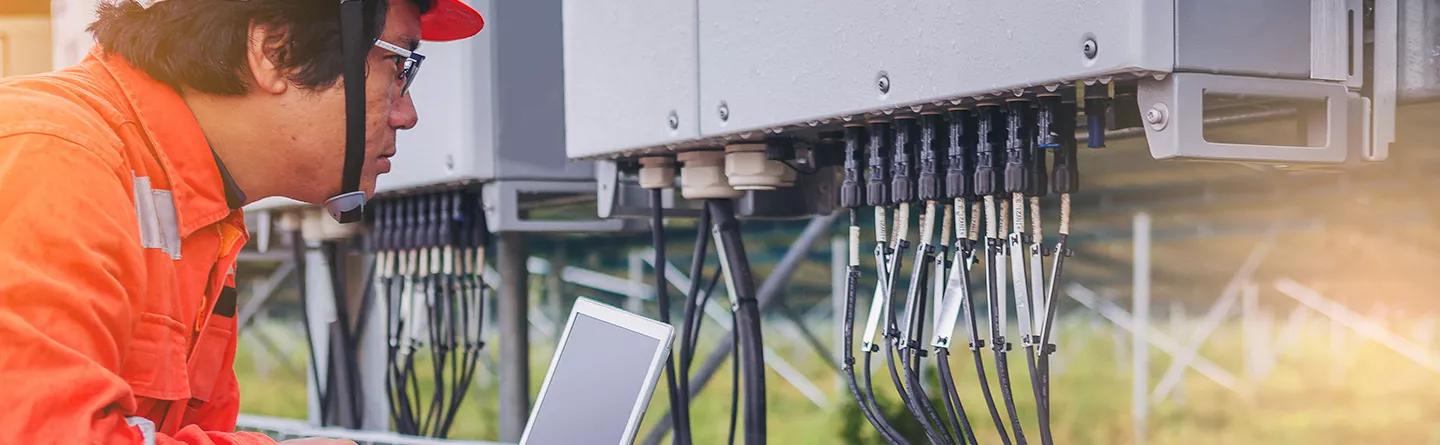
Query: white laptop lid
(600, 379)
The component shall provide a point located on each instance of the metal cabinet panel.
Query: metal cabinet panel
(1268, 38)
(490, 106)
(630, 74)
(781, 63)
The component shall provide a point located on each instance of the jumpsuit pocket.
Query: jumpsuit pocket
(155, 365)
(211, 357)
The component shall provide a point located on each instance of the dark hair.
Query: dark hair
(201, 44)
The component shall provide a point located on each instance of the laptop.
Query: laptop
(600, 379)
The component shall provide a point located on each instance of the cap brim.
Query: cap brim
(450, 20)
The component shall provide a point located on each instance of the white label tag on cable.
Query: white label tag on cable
(878, 306)
(950, 307)
(1017, 275)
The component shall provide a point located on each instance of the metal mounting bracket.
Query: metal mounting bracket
(1174, 110)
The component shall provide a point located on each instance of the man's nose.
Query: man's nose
(404, 116)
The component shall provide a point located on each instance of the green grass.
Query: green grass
(1364, 394)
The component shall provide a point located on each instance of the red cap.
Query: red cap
(450, 20)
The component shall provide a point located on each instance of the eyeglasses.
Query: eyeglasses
(408, 68)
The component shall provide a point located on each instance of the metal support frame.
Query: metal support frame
(514, 336)
(1165, 343)
(1358, 323)
(1140, 300)
(261, 291)
(1212, 319)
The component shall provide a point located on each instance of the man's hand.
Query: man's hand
(318, 441)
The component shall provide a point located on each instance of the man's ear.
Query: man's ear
(261, 51)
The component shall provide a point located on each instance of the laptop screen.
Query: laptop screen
(596, 383)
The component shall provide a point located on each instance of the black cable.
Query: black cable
(988, 161)
(1002, 368)
(699, 314)
(959, 421)
(437, 358)
(679, 403)
(893, 340)
(847, 365)
(747, 323)
(348, 346)
(692, 322)
(734, 377)
(390, 345)
(913, 353)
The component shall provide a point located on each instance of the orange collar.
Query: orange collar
(196, 179)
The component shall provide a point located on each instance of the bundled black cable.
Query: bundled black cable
(958, 185)
(850, 198)
(430, 256)
(912, 351)
(1017, 183)
(679, 401)
(741, 283)
(1065, 179)
(989, 159)
(693, 311)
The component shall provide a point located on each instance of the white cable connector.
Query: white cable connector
(927, 223)
(947, 226)
(702, 176)
(1064, 213)
(902, 224)
(991, 217)
(1036, 231)
(974, 231)
(879, 225)
(1017, 211)
(657, 172)
(855, 246)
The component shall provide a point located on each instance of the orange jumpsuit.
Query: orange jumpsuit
(119, 232)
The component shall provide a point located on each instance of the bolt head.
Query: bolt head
(1158, 116)
(1091, 48)
(673, 120)
(882, 82)
(724, 111)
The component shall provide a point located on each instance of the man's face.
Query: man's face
(387, 110)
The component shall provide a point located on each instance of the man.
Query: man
(121, 183)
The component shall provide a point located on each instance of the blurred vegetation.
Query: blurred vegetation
(1322, 389)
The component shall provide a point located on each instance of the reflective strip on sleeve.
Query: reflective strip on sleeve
(146, 427)
(155, 209)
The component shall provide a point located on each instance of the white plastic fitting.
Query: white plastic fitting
(316, 225)
(747, 168)
(657, 172)
(702, 176)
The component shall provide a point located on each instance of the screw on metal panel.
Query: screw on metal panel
(1158, 116)
(449, 162)
(724, 111)
(1091, 48)
(883, 83)
(673, 120)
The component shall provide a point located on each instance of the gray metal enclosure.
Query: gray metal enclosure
(492, 111)
(641, 76)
